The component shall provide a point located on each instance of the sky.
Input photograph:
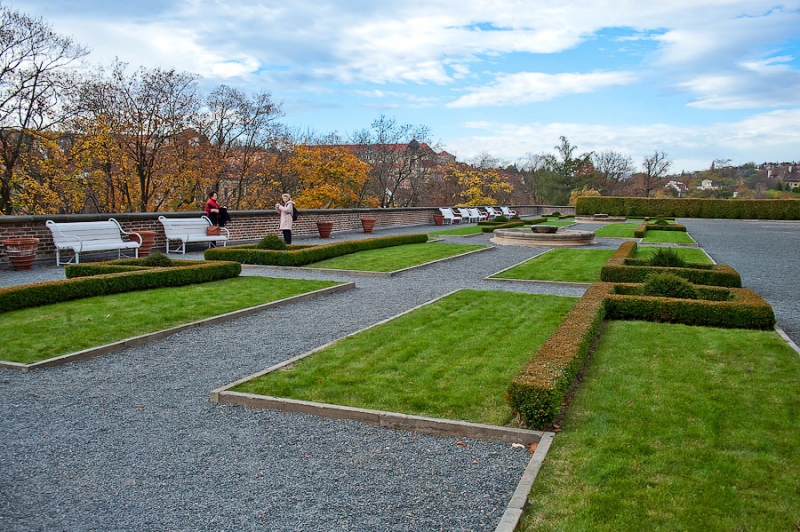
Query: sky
(698, 79)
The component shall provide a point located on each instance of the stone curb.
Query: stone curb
(364, 273)
(145, 338)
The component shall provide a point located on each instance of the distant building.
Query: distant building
(680, 186)
(706, 184)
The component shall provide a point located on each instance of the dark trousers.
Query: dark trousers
(287, 235)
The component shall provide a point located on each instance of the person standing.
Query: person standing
(286, 211)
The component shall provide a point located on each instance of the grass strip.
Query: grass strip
(565, 265)
(676, 428)
(459, 231)
(445, 360)
(395, 258)
(667, 237)
(695, 255)
(46, 332)
(624, 230)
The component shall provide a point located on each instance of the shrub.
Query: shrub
(555, 213)
(660, 221)
(500, 219)
(667, 257)
(669, 285)
(158, 260)
(271, 242)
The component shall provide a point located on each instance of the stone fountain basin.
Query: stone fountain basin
(523, 237)
(544, 228)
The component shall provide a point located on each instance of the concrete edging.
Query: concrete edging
(158, 335)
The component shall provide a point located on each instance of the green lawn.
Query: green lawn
(667, 237)
(677, 428)
(459, 231)
(451, 359)
(688, 254)
(624, 230)
(566, 265)
(62, 328)
(395, 258)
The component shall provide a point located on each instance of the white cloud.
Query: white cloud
(762, 137)
(526, 87)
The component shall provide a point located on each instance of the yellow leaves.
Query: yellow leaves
(328, 177)
(479, 186)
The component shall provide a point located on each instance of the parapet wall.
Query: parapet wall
(245, 226)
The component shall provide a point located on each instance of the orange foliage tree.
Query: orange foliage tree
(328, 177)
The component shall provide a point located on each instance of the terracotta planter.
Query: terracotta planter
(21, 251)
(148, 237)
(324, 229)
(368, 224)
(438, 219)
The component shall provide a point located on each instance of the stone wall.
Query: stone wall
(245, 226)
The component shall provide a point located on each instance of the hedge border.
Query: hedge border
(249, 254)
(537, 392)
(783, 209)
(126, 278)
(615, 270)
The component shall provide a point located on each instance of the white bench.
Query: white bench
(82, 237)
(185, 230)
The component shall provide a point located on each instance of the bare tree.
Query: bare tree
(239, 129)
(399, 157)
(655, 169)
(612, 168)
(33, 79)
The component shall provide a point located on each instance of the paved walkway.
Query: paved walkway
(129, 441)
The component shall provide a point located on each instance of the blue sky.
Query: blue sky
(700, 79)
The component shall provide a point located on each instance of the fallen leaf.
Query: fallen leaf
(475, 462)
(517, 446)
(532, 446)
(461, 443)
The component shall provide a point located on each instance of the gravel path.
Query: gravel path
(130, 441)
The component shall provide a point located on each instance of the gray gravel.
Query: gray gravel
(130, 441)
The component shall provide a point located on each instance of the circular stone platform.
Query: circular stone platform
(525, 237)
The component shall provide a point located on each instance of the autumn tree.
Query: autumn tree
(329, 177)
(478, 186)
(146, 113)
(34, 63)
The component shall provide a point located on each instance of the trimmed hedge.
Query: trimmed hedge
(489, 228)
(113, 277)
(619, 270)
(249, 254)
(744, 310)
(642, 229)
(537, 392)
(783, 209)
(534, 221)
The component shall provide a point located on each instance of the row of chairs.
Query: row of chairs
(474, 214)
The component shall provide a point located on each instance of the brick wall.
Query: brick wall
(245, 226)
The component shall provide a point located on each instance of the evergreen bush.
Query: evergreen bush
(669, 285)
(271, 242)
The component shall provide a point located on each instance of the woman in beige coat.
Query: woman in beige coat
(286, 210)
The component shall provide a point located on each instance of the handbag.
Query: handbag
(213, 230)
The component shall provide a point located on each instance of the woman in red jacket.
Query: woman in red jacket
(218, 214)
